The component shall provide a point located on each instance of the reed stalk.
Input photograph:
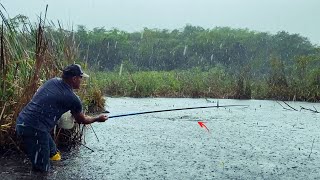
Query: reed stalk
(29, 55)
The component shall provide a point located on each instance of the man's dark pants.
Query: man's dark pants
(38, 145)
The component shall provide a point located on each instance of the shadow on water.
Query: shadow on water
(185, 118)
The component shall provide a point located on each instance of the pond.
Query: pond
(266, 140)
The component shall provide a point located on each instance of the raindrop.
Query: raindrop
(36, 157)
(185, 50)
(211, 57)
(115, 46)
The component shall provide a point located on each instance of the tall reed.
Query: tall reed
(29, 55)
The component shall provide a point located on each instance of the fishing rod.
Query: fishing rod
(166, 110)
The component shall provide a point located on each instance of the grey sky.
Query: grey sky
(294, 16)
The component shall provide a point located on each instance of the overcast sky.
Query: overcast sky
(293, 16)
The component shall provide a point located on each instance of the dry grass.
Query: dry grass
(29, 55)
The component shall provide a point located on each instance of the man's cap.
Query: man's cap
(73, 70)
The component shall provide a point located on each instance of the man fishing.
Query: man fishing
(41, 114)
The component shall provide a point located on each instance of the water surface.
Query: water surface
(261, 141)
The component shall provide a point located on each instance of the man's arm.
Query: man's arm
(83, 119)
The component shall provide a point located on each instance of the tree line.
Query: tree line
(193, 46)
(289, 64)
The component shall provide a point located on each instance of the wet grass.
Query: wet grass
(189, 83)
(30, 54)
(213, 83)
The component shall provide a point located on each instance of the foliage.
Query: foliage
(30, 55)
(280, 66)
(154, 49)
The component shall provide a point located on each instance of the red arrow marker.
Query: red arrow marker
(201, 124)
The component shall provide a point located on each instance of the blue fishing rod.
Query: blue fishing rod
(178, 109)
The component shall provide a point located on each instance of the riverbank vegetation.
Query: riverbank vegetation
(195, 62)
(213, 83)
(30, 54)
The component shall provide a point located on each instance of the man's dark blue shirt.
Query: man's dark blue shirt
(51, 100)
